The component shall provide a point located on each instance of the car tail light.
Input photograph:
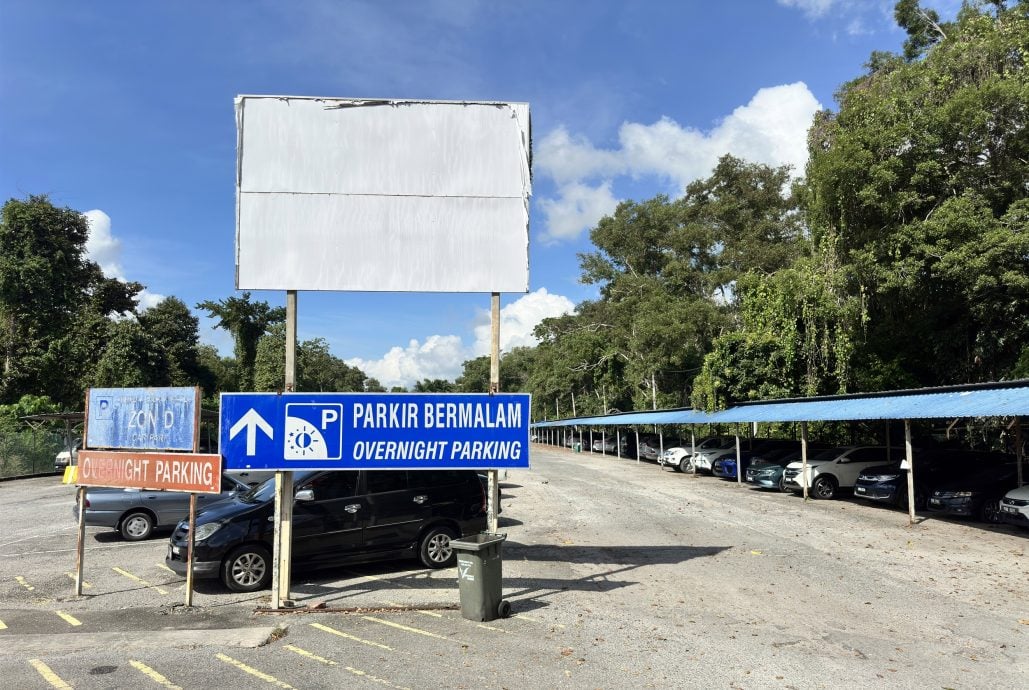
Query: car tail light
(86, 504)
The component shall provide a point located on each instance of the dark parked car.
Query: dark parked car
(724, 466)
(889, 483)
(766, 472)
(342, 516)
(977, 495)
(136, 513)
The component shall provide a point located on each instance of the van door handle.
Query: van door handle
(352, 508)
(420, 499)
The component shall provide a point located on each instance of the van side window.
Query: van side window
(333, 485)
(381, 481)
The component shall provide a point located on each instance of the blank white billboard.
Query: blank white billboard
(382, 195)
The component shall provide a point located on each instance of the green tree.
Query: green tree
(919, 185)
(10, 415)
(131, 358)
(217, 373)
(47, 289)
(434, 386)
(318, 370)
(176, 332)
(247, 321)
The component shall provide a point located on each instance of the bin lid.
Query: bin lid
(477, 542)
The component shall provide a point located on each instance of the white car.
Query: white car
(1014, 507)
(835, 469)
(678, 457)
(683, 458)
(68, 456)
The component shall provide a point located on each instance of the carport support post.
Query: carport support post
(591, 440)
(637, 446)
(618, 441)
(282, 541)
(803, 457)
(1019, 452)
(739, 460)
(693, 448)
(909, 456)
(79, 547)
(492, 477)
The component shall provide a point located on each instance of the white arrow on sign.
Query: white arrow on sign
(251, 421)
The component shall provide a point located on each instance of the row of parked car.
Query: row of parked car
(339, 517)
(977, 484)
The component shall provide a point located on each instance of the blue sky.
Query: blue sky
(124, 110)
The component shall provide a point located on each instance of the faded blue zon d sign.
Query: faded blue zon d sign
(303, 431)
(142, 418)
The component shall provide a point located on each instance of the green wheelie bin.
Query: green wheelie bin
(480, 576)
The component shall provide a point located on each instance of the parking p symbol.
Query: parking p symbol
(329, 415)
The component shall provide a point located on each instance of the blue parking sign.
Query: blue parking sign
(306, 431)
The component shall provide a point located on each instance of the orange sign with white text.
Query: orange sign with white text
(191, 472)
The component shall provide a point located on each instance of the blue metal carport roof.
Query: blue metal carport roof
(1008, 399)
(633, 418)
(1001, 402)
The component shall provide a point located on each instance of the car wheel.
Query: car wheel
(824, 487)
(435, 550)
(685, 465)
(137, 526)
(247, 569)
(782, 485)
(990, 511)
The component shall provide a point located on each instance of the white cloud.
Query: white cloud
(770, 129)
(518, 319)
(579, 206)
(442, 356)
(105, 249)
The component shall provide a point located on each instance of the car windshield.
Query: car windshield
(265, 491)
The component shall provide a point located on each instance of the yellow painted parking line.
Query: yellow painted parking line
(490, 627)
(48, 675)
(398, 626)
(21, 581)
(310, 655)
(68, 618)
(162, 565)
(368, 676)
(153, 675)
(254, 672)
(3, 626)
(85, 585)
(340, 633)
(136, 578)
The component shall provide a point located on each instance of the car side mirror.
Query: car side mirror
(304, 495)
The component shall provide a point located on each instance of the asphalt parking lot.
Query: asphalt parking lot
(620, 574)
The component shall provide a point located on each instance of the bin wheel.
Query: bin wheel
(504, 609)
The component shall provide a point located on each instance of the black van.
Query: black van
(341, 516)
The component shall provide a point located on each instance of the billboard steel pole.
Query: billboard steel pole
(283, 539)
(493, 487)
